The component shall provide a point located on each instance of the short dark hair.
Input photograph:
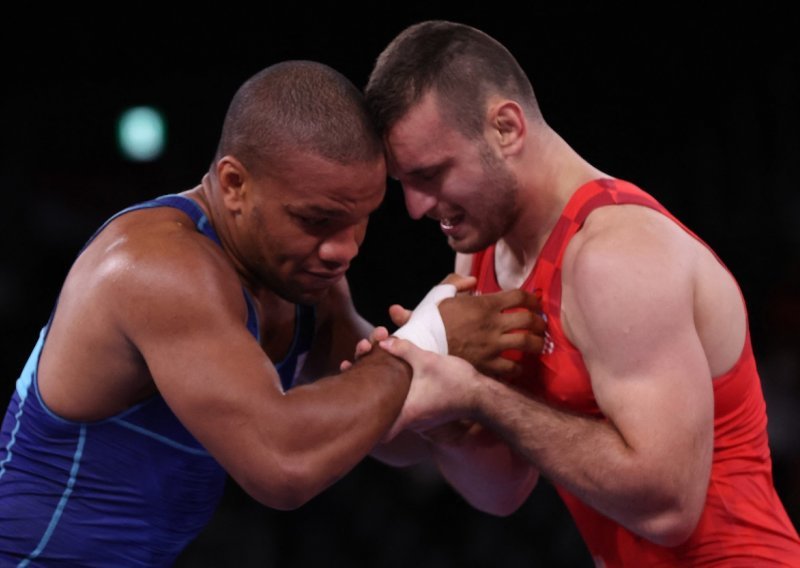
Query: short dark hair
(461, 64)
(298, 106)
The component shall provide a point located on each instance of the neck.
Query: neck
(549, 174)
(208, 196)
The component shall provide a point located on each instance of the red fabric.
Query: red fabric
(744, 522)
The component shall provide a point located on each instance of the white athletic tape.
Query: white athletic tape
(425, 328)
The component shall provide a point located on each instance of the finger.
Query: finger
(522, 341)
(363, 347)
(515, 299)
(401, 348)
(523, 319)
(344, 365)
(461, 282)
(503, 368)
(379, 334)
(399, 314)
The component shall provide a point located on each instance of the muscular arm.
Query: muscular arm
(281, 448)
(487, 471)
(481, 467)
(478, 464)
(629, 308)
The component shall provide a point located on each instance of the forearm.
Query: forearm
(405, 449)
(482, 468)
(475, 462)
(322, 430)
(588, 457)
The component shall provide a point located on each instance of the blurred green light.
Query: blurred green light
(141, 133)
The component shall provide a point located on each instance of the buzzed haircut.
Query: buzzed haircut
(461, 64)
(298, 106)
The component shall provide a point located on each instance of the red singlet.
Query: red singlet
(744, 522)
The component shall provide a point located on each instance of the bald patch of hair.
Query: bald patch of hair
(298, 107)
(462, 65)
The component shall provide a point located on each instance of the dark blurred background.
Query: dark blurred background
(700, 107)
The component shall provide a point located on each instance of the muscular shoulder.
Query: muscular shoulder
(149, 263)
(629, 245)
(629, 272)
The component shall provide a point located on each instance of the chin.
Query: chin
(305, 294)
(314, 297)
(296, 292)
(301, 296)
(468, 246)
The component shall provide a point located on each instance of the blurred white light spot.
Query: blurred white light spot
(141, 133)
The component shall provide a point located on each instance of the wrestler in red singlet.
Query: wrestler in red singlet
(744, 522)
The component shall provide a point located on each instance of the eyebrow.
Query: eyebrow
(315, 209)
(428, 168)
(417, 171)
(423, 170)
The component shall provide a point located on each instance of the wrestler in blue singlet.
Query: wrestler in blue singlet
(131, 490)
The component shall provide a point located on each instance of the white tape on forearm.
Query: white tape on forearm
(425, 328)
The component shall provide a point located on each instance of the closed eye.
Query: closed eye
(313, 221)
(426, 175)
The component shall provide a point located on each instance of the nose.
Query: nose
(418, 203)
(342, 246)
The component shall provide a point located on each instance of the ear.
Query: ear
(508, 126)
(232, 176)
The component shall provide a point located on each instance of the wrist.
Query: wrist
(480, 390)
(425, 328)
(449, 434)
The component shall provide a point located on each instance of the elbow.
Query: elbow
(285, 488)
(500, 509)
(672, 526)
(507, 503)
(674, 531)
(672, 508)
(495, 508)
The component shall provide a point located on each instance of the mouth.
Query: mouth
(319, 280)
(450, 223)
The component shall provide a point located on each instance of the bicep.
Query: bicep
(632, 319)
(206, 365)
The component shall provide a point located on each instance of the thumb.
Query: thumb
(399, 314)
(401, 348)
(461, 282)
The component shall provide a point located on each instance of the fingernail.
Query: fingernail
(387, 342)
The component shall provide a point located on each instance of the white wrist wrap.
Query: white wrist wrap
(425, 328)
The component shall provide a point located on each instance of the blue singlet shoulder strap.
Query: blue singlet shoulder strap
(198, 217)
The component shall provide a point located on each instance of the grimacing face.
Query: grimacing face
(456, 180)
(307, 222)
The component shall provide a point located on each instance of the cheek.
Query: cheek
(471, 197)
(280, 251)
(361, 233)
(467, 188)
(295, 249)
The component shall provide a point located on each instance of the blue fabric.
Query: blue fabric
(130, 490)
